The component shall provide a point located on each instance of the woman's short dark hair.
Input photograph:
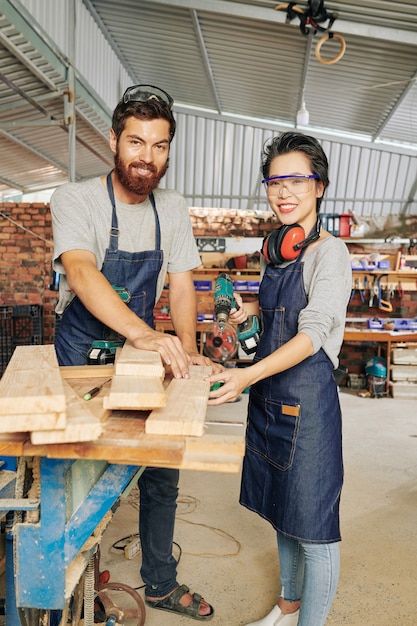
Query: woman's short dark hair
(297, 142)
(149, 110)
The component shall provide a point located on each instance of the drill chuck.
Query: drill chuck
(222, 319)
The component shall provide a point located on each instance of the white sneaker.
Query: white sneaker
(276, 618)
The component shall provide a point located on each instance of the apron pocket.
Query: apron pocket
(281, 432)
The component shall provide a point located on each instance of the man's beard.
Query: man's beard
(140, 186)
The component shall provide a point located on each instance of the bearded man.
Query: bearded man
(120, 234)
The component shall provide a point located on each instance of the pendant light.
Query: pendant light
(303, 116)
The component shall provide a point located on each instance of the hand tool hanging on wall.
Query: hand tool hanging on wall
(383, 305)
(359, 290)
(366, 293)
(373, 292)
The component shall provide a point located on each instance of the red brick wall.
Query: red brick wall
(25, 259)
(231, 222)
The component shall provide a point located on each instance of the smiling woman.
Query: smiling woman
(293, 470)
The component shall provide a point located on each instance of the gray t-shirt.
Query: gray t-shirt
(327, 277)
(81, 219)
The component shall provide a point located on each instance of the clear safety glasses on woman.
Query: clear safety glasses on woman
(296, 184)
(143, 93)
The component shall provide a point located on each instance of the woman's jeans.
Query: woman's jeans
(158, 501)
(310, 573)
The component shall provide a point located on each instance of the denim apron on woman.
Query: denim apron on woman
(293, 469)
(134, 274)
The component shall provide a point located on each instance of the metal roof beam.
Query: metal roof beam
(206, 60)
(9, 183)
(38, 99)
(40, 42)
(32, 67)
(30, 148)
(90, 7)
(254, 12)
(33, 124)
(25, 96)
(52, 55)
(395, 107)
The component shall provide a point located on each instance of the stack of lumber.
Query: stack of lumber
(35, 398)
(178, 409)
(138, 380)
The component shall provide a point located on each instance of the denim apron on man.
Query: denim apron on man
(136, 275)
(293, 469)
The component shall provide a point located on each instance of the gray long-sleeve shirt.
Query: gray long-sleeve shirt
(327, 279)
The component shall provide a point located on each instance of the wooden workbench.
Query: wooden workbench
(384, 339)
(125, 442)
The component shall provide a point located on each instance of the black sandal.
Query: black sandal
(172, 603)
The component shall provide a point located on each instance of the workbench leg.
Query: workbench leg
(44, 550)
(12, 616)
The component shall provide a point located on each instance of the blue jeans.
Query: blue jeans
(158, 502)
(309, 572)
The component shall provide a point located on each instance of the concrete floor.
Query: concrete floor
(229, 554)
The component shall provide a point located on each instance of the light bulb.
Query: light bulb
(303, 116)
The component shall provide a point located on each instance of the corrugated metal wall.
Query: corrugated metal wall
(216, 163)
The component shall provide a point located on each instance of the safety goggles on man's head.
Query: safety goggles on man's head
(143, 93)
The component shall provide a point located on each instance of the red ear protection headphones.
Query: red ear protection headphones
(285, 243)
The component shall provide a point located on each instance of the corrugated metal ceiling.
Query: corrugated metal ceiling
(228, 59)
(35, 111)
(241, 58)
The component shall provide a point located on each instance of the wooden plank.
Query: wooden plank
(26, 422)
(87, 371)
(82, 424)
(136, 393)
(185, 410)
(123, 441)
(200, 370)
(11, 444)
(32, 385)
(134, 362)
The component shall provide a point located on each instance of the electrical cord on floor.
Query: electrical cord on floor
(191, 504)
(129, 538)
(217, 531)
(124, 541)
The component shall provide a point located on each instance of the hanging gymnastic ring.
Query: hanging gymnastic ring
(338, 56)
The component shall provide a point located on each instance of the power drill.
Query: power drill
(248, 331)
